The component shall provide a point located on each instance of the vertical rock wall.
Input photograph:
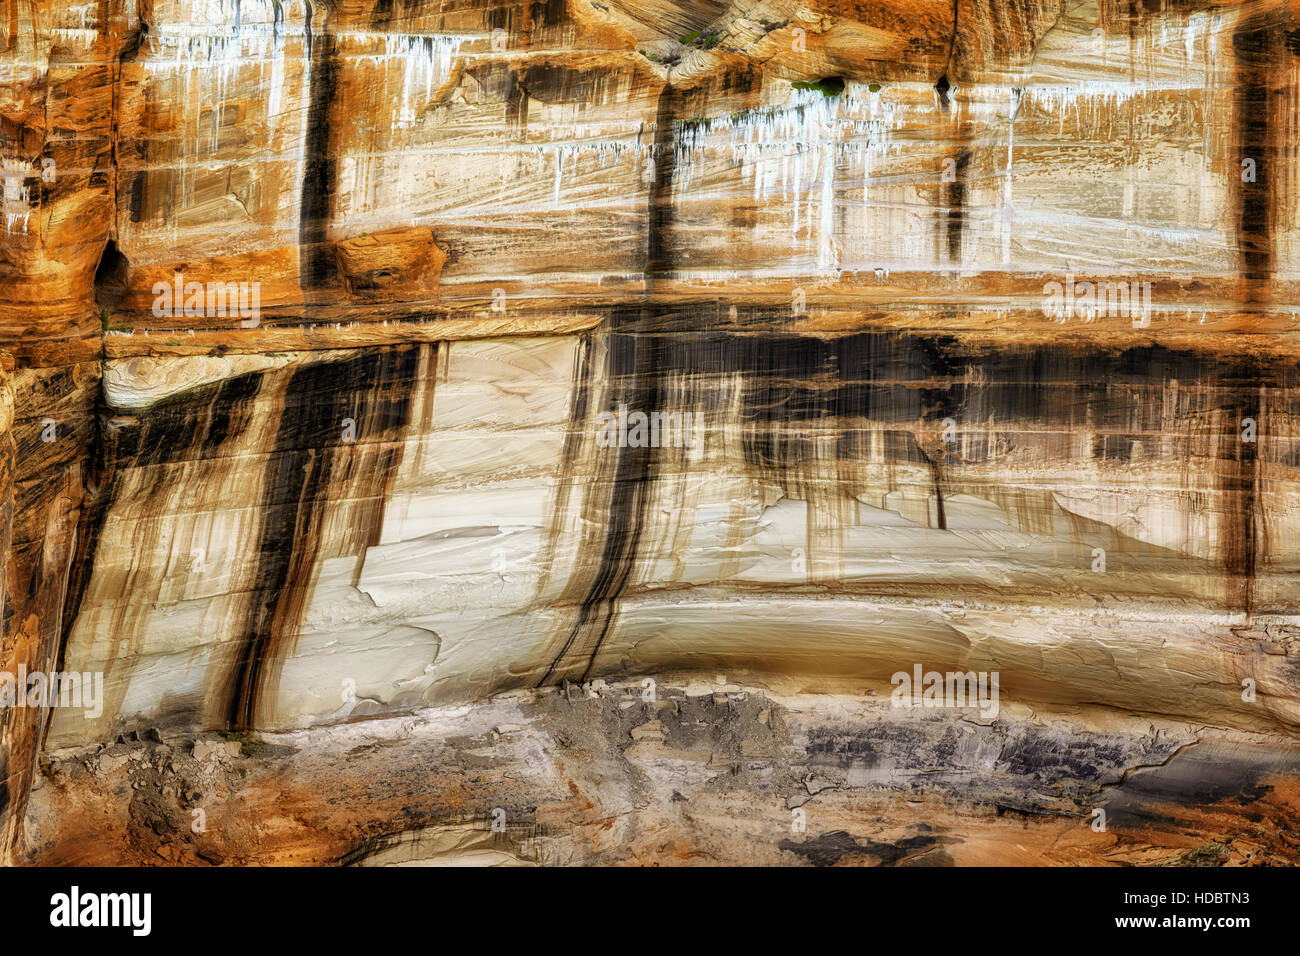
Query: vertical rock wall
(452, 239)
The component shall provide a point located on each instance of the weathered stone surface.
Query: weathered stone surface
(775, 779)
(393, 262)
(442, 249)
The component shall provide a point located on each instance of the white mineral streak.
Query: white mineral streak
(81, 16)
(14, 195)
(276, 91)
(456, 170)
(266, 48)
(1159, 84)
(415, 67)
(218, 68)
(76, 28)
(572, 157)
(1066, 102)
(810, 152)
(1008, 208)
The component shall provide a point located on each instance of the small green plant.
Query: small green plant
(103, 319)
(1214, 853)
(672, 59)
(248, 744)
(705, 40)
(828, 86)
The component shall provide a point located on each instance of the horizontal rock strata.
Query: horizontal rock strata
(376, 358)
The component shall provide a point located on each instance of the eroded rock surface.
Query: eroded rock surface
(709, 772)
(364, 482)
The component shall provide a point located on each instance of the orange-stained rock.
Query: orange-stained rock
(813, 240)
(390, 263)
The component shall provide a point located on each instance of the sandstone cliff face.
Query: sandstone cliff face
(967, 333)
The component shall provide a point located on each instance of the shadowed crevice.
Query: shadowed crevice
(312, 462)
(1257, 46)
(954, 200)
(635, 368)
(319, 164)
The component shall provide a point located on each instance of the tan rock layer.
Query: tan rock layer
(222, 167)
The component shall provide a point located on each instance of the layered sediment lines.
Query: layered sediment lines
(815, 243)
